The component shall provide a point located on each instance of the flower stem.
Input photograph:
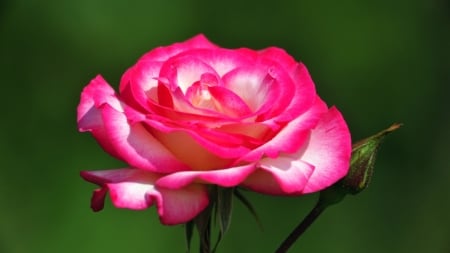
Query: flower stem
(330, 196)
(301, 228)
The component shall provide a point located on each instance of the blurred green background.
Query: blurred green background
(379, 61)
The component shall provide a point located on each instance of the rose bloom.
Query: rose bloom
(193, 114)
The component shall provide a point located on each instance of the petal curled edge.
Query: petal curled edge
(135, 189)
(102, 113)
(321, 161)
(228, 177)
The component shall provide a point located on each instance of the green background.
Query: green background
(379, 61)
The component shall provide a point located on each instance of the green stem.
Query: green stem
(330, 196)
(301, 228)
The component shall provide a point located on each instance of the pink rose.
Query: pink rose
(194, 114)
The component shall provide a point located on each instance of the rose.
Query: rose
(193, 114)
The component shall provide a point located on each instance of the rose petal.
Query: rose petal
(228, 177)
(135, 189)
(164, 53)
(139, 84)
(252, 84)
(183, 72)
(292, 136)
(279, 56)
(89, 118)
(135, 145)
(223, 60)
(280, 176)
(304, 94)
(102, 113)
(228, 102)
(329, 150)
(191, 146)
(322, 161)
(96, 93)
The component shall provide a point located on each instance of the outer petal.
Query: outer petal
(281, 176)
(321, 161)
(292, 136)
(223, 60)
(136, 146)
(135, 189)
(89, 118)
(304, 96)
(139, 84)
(101, 113)
(280, 56)
(96, 93)
(329, 150)
(229, 177)
(164, 53)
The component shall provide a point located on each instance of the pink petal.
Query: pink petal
(164, 53)
(303, 97)
(228, 102)
(321, 161)
(223, 60)
(201, 149)
(89, 118)
(176, 100)
(328, 150)
(139, 84)
(135, 189)
(137, 146)
(253, 85)
(183, 72)
(96, 93)
(292, 136)
(213, 120)
(258, 131)
(181, 206)
(228, 177)
(279, 56)
(280, 176)
(102, 113)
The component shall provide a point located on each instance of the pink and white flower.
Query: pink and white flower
(193, 114)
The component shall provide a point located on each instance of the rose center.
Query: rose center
(199, 94)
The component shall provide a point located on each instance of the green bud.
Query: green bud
(363, 160)
(360, 172)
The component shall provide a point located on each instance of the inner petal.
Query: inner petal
(183, 72)
(198, 93)
(251, 84)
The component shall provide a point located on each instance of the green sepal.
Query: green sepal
(188, 232)
(203, 224)
(249, 207)
(224, 208)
